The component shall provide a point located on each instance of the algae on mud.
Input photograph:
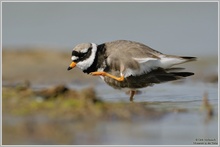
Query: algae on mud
(60, 101)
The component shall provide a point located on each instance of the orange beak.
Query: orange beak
(72, 65)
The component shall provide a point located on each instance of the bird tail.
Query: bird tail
(160, 75)
(188, 59)
(168, 61)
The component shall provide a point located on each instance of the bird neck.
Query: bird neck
(98, 60)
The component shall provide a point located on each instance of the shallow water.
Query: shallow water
(183, 123)
(186, 122)
(181, 129)
(166, 92)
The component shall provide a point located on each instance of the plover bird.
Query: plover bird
(128, 65)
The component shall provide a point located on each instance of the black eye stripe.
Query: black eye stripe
(75, 53)
(78, 54)
(82, 56)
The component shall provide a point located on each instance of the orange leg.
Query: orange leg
(132, 93)
(102, 73)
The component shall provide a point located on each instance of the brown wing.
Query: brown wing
(121, 54)
(131, 48)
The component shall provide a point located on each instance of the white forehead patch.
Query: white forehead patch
(74, 58)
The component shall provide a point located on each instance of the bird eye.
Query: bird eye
(75, 53)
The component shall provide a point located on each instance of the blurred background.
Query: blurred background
(178, 27)
(37, 40)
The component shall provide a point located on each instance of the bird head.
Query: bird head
(83, 56)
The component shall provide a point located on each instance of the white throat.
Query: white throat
(85, 64)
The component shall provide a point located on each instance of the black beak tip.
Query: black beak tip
(69, 68)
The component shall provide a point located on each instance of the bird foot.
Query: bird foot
(101, 73)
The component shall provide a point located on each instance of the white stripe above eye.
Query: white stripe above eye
(85, 50)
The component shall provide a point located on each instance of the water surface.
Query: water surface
(181, 120)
